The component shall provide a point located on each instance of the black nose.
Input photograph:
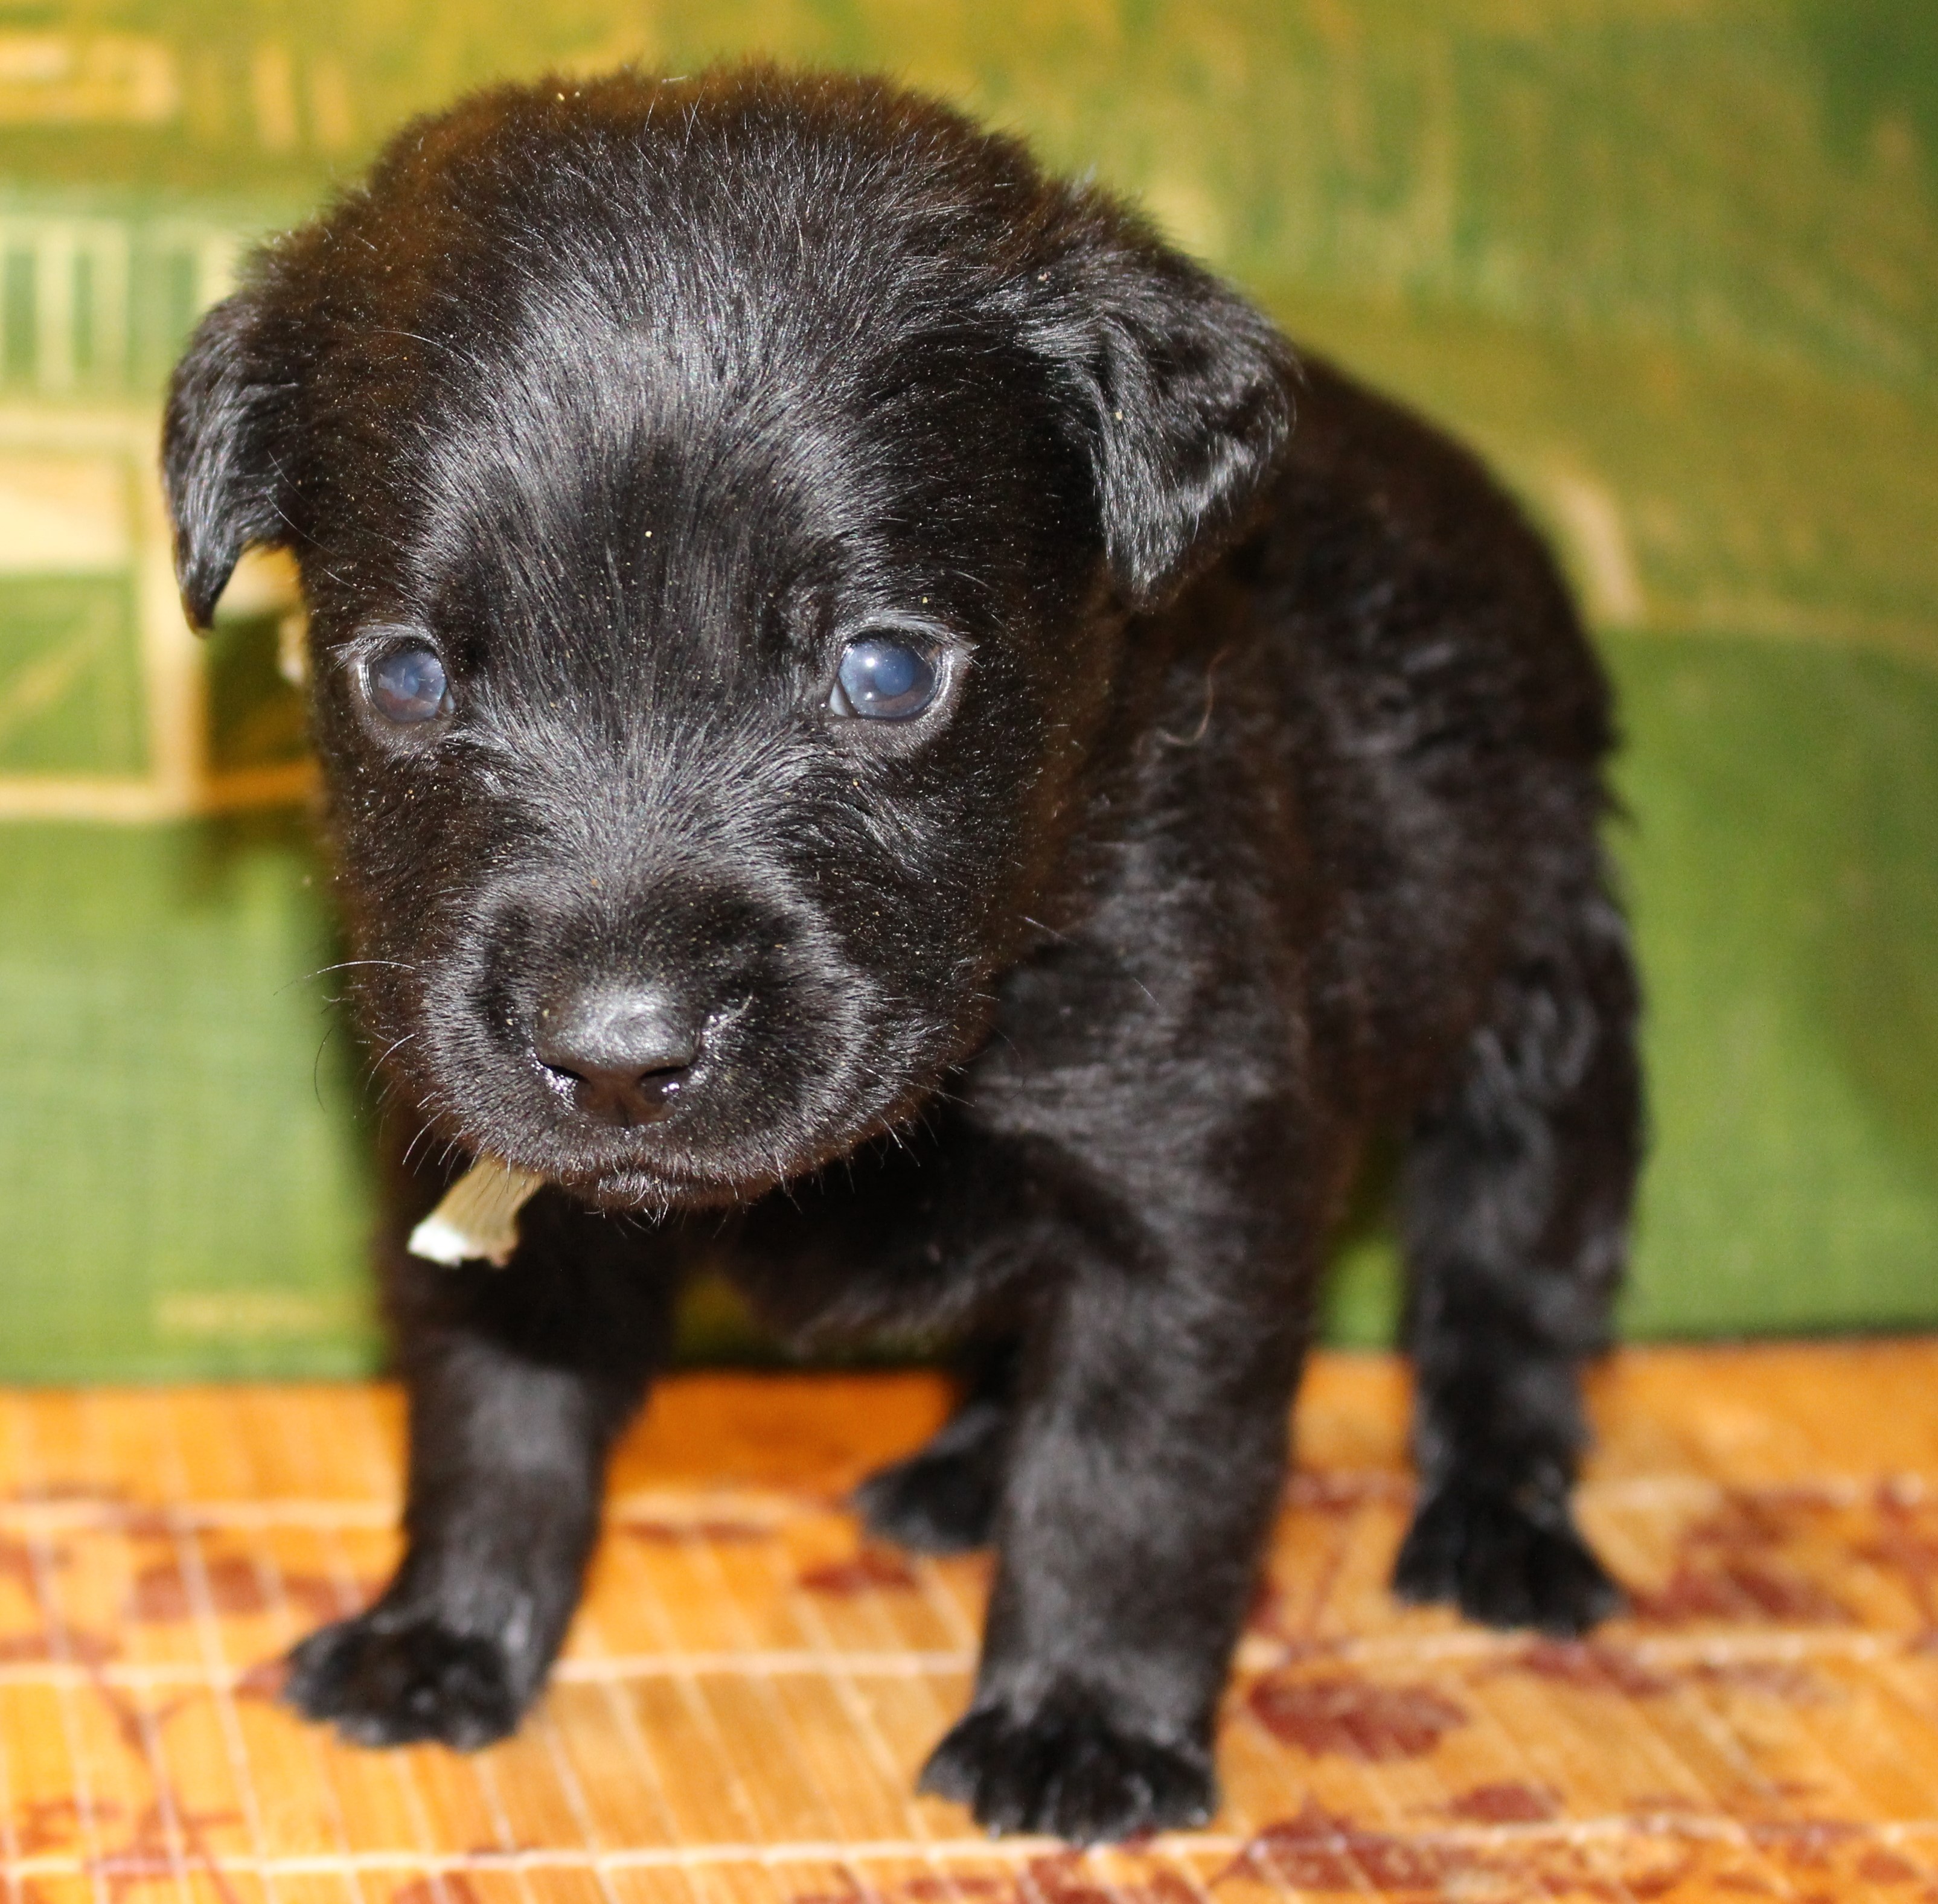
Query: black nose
(621, 1055)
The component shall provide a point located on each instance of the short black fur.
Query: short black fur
(1255, 814)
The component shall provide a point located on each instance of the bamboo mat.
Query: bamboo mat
(745, 1701)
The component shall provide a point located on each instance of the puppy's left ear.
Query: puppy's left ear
(1185, 397)
(228, 407)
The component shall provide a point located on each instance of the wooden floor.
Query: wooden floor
(745, 1701)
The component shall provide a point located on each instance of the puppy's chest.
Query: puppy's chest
(1102, 1043)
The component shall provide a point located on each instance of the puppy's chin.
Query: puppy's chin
(659, 1192)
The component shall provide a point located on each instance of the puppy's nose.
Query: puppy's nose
(622, 1056)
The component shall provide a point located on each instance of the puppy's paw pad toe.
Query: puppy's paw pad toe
(1069, 1770)
(1504, 1564)
(395, 1684)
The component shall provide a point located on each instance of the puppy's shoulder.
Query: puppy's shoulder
(1360, 463)
(1389, 552)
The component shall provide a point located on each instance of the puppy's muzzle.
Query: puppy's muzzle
(619, 1055)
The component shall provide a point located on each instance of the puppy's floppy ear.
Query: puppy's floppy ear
(1184, 392)
(227, 408)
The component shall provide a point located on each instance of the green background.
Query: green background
(1671, 264)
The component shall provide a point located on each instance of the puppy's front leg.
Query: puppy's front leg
(519, 1380)
(1145, 1463)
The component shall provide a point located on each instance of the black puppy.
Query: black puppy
(870, 711)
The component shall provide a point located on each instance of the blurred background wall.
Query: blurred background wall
(1671, 264)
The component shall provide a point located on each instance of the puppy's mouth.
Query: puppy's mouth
(684, 1159)
(739, 1174)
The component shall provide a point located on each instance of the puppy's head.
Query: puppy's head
(719, 504)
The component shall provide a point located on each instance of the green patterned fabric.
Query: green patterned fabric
(1673, 267)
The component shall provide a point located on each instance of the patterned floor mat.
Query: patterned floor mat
(745, 1700)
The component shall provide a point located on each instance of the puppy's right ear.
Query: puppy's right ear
(1183, 393)
(228, 407)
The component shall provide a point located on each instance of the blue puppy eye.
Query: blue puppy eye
(883, 680)
(409, 685)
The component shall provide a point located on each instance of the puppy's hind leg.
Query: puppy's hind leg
(942, 1498)
(519, 1380)
(1516, 1188)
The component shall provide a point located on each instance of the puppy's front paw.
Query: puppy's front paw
(1503, 1563)
(942, 1500)
(394, 1684)
(932, 1503)
(1068, 1770)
